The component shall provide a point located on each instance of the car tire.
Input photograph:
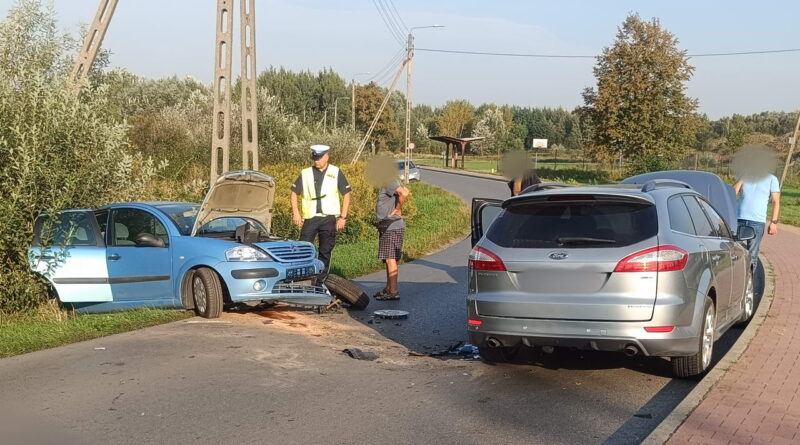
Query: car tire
(346, 291)
(207, 293)
(697, 364)
(748, 302)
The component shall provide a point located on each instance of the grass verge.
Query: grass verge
(49, 327)
(441, 218)
(790, 204)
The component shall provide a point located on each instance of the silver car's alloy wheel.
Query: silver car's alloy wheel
(708, 337)
(199, 292)
(749, 299)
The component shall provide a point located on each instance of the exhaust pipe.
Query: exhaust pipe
(630, 350)
(493, 342)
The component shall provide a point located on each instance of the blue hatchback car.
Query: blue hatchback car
(173, 254)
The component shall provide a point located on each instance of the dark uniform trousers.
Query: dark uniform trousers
(325, 227)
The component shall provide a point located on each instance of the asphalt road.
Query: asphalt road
(281, 379)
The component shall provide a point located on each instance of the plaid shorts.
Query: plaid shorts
(390, 244)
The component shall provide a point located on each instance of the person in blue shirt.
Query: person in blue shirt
(755, 196)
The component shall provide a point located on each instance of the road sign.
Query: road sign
(540, 143)
(412, 145)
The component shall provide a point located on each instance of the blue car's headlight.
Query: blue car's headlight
(246, 253)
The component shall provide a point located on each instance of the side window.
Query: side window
(102, 222)
(130, 223)
(679, 218)
(701, 224)
(716, 221)
(69, 229)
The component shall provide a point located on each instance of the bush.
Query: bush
(58, 151)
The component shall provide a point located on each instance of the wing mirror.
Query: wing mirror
(745, 233)
(148, 240)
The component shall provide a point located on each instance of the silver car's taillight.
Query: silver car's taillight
(655, 259)
(482, 259)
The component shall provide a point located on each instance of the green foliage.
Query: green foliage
(640, 108)
(456, 119)
(368, 101)
(57, 151)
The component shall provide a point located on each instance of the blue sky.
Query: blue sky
(175, 37)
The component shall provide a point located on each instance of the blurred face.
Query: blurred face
(322, 162)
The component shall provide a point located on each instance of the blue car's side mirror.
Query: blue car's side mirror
(745, 233)
(148, 240)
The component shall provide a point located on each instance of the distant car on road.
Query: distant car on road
(174, 254)
(413, 171)
(651, 266)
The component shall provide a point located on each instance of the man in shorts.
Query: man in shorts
(391, 227)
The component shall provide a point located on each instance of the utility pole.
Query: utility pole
(792, 143)
(92, 42)
(378, 114)
(247, 19)
(220, 135)
(410, 59)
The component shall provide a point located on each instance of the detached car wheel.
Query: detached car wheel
(206, 293)
(346, 291)
(697, 364)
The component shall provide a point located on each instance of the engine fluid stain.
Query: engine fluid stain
(275, 314)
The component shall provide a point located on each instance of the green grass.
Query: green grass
(441, 218)
(49, 327)
(790, 204)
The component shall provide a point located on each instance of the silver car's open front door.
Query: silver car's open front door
(484, 212)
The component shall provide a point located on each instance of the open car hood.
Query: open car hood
(243, 194)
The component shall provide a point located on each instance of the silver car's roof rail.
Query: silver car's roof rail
(663, 183)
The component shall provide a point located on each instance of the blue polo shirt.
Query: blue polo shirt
(755, 198)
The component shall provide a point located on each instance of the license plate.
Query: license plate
(299, 272)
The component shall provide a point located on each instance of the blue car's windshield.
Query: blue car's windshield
(182, 214)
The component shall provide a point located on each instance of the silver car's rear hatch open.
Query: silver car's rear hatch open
(560, 253)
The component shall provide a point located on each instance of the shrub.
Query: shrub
(57, 150)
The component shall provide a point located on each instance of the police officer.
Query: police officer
(324, 201)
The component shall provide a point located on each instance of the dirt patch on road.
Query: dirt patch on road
(334, 329)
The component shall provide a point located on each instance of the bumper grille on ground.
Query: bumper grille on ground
(305, 289)
(290, 253)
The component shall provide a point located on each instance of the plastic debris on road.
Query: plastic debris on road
(359, 354)
(390, 313)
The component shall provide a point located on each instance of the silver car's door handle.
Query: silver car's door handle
(715, 258)
(114, 257)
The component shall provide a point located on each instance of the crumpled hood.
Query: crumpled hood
(244, 194)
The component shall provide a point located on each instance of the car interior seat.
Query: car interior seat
(121, 235)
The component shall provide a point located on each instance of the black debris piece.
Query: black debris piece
(359, 354)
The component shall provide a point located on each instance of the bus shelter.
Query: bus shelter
(459, 149)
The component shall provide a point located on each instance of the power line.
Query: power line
(389, 65)
(389, 24)
(577, 56)
(397, 14)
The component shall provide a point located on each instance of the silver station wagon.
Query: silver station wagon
(650, 266)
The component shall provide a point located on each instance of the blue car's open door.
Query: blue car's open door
(69, 251)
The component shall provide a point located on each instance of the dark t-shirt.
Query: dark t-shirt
(386, 202)
(319, 175)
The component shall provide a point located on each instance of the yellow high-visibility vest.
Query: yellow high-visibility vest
(328, 193)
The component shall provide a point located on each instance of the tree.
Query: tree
(456, 119)
(640, 108)
(368, 101)
(491, 126)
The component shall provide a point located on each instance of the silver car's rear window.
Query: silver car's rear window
(578, 223)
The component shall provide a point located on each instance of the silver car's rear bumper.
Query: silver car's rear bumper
(601, 336)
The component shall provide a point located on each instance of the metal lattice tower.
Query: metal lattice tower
(249, 89)
(220, 136)
(92, 42)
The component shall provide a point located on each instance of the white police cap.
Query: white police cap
(318, 150)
